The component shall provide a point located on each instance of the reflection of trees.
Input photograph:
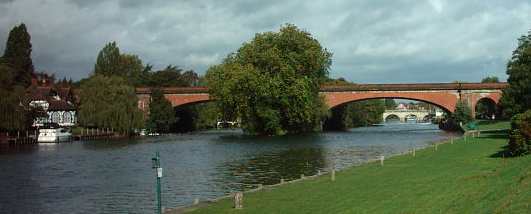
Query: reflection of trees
(270, 168)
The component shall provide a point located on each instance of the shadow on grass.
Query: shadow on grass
(495, 134)
(504, 153)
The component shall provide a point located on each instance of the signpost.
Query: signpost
(156, 165)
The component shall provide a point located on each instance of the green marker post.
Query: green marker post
(156, 165)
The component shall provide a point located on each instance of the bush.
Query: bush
(520, 135)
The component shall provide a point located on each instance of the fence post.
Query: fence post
(333, 174)
(238, 200)
(382, 158)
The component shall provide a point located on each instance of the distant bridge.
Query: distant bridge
(404, 115)
(443, 95)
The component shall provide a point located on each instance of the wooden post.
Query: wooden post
(319, 172)
(436, 146)
(333, 174)
(196, 201)
(414, 151)
(238, 200)
(260, 186)
(452, 140)
(302, 176)
(282, 181)
(382, 158)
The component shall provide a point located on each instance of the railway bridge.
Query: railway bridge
(443, 95)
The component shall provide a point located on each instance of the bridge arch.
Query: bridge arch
(485, 107)
(445, 102)
(392, 117)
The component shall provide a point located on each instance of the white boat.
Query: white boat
(53, 135)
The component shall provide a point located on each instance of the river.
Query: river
(116, 176)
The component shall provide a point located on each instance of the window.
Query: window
(56, 117)
(67, 117)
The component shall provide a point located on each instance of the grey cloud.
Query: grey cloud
(372, 41)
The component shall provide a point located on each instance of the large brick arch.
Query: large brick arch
(444, 100)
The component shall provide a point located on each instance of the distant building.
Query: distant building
(401, 106)
(53, 104)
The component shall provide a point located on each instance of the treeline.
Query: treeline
(108, 98)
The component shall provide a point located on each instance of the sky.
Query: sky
(372, 41)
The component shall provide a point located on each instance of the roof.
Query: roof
(60, 105)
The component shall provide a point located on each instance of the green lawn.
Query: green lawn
(457, 178)
(490, 124)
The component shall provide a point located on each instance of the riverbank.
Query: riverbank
(463, 177)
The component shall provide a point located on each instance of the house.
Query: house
(52, 105)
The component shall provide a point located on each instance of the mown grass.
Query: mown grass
(457, 178)
(493, 125)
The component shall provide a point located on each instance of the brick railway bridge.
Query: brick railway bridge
(443, 95)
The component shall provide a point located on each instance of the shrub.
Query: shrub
(520, 135)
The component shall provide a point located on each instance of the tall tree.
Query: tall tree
(272, 82)
(128, 66)
(517, 97)
(109, 102)
(161, 113)
(109, 60)
(17, 54)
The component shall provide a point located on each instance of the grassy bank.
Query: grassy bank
(457, 178)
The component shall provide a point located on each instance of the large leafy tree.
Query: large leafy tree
(272, 82)
(161, 113)
(111, 62)
(517, 97)
(109, 102)
(17, 54)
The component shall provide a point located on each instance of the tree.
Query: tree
(171, 76)
(161, 113)
(111, 62)
(517, 97)
(13, 116)
(390, 104)
(272, 83)
(462, 112)
(520, 135)
(17, 54)
(109, 102)
(490, 79)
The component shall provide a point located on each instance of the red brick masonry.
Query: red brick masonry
(444, 95)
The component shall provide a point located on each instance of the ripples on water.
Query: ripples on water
(116, 177)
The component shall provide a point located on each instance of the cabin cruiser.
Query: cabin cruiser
(53, 134)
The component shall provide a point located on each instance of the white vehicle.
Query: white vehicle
(53, 135)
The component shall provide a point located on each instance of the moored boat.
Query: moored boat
(53, 135)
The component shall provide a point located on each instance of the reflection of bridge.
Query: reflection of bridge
(402, 115)
(443, 95)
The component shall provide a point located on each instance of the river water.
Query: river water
(116, 176)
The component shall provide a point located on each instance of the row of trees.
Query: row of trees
(108, 98)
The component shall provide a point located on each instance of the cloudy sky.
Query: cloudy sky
(373, 41)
